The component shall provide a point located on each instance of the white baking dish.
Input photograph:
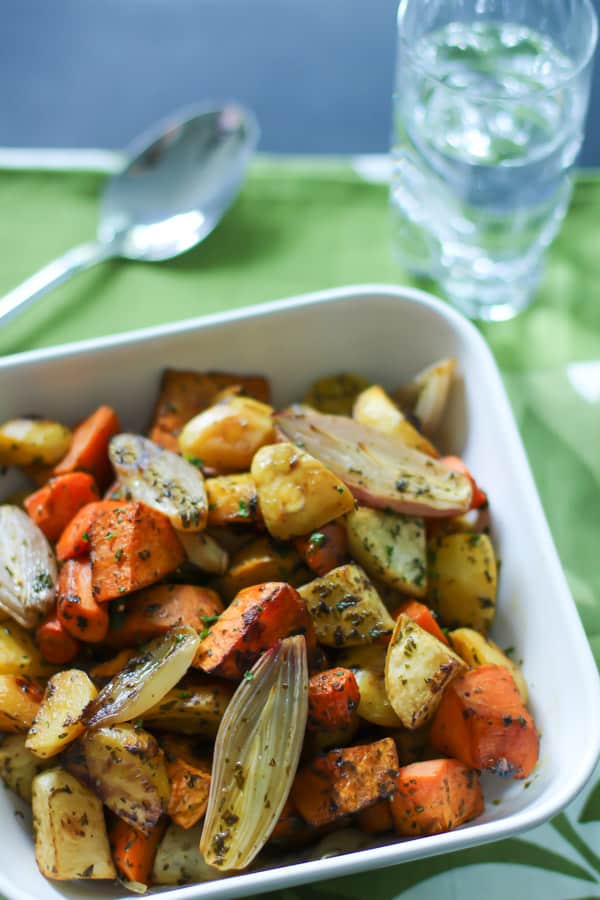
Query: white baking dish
(386, 334)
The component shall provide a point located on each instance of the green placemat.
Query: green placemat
(302, 227)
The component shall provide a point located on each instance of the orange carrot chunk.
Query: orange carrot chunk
(343, 782)
(424, 617)
(133, 852)
(333, 697)
(82, 616)
(151, 612)
(189, 792)
(434, 796)
(376, 819)
(75, 539)
(455, 462)
(131, 547)
(53, 506)
(291, 830)
(56, 644)
(483, 722)
(257, 618)
(325, 549)
(89, 448)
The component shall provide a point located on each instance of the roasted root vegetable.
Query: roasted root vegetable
(70, 832)
(343, 782)
(376, 819)
(462, 575)
(19, 654)
(368, 666)
(20, 699)
(232, 499)
(479, 497)
(418, 668)
(190, 784)
(133, 853)
(381, 471)
(324, 549)
(426, 620)
(76, 607)
(153, 611)
(27, 568)
(427, 393)
(53, 506)
(296, 492)
(131, 547)
(336, 394)
(257, 618)
(18, 765)
(178, 860)
(434, 796)
(191, 708)
(75, 539)
(161, 479)
(333, 698)
(88, 451)
(227, 435)
(483, 722)
(57, 721)
(26, 442)
(390, 547)
(184, 394)
(345, 608)
(261, 560)
(375, 408)
(55, 643)
(205, 552)
(478, 650)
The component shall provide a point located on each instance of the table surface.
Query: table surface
(318, 74)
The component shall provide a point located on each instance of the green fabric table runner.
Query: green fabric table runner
(301, 226)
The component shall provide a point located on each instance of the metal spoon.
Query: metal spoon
(182, 177)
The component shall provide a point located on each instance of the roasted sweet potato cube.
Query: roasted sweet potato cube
(376, 819)
(189, 791)
(434, 796)
(291, 830)
(343, 782)
(151, 612)
(333, 697)
(257, 618)
(131, 547)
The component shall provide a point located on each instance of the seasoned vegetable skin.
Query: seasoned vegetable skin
(375, 408)
(57, 722)
(333, 698)
(77, 609)
(153, 611)
(345, 608)
(53, 506)
(26, 442)
(89, 448)
(343, 782)
(463, 580)
(324, 549)
(192, 708)
(390, 547)
(131, 547)
(483, 722)
(20, 698)
(477, 650)
(18, 765)
(296, 493)
(133, 853)
(435, 796)
(184, 394)
(70, 832)
(257, 618)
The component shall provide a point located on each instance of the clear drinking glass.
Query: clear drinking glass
(489, 108)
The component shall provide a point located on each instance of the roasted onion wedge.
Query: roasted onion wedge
(145, 679)
(381, 471)
(27, 568)
(160, 479)
(256, 755)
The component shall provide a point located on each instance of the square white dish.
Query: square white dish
(386, 334)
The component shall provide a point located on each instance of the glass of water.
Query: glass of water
(489, 108)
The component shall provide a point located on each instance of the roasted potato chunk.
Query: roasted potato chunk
(259, 561)
(18, 765)
(375, 408)
(335, 394)
(417, 669)
(462, 577)
(192, 708)
(232, 499)
(297, 494)
(178, 859)
(345, 608)
(58, 719)
(19, 654)
(368, 665)
(26, 442)
(477, 650)
(70, 833)
(20, 698)
(427, 393)
(390, 547)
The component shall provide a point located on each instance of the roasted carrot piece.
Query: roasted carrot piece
(184, 394)
(53, 506)
(75, 538)
(151, 612)
(325, 549)
(133, 852)
(333, 697)
(424, 617)
(343, 782)
(455, 462)
(483, 722)
(55, 642)
(434, 796)
(256, 618)
(82, 616)
(291, 830)
(131, 547)
(190, 785)
(232, 499)
(89, 448)
(376, 819)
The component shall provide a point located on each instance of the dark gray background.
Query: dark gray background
(94, 73)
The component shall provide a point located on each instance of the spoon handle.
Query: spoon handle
(75, 260)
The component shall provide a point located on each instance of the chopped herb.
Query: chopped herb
(85, 537)
(340, 489)
(317, 538)
(243, 510)
(119, 554)
(109, 535)
(195, 461)
(209, 620)
(248, 676)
